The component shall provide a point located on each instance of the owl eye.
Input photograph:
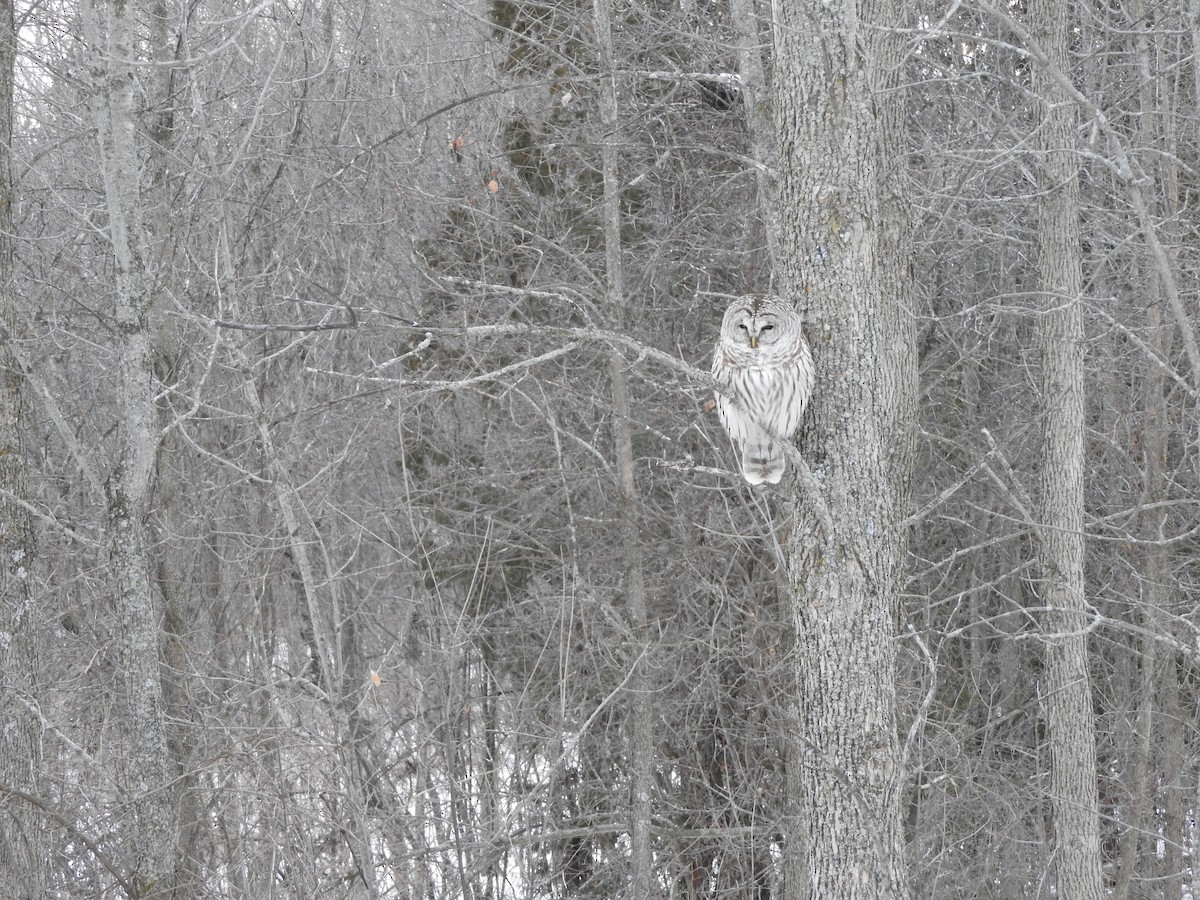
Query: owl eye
(766, 328)
(742, 325)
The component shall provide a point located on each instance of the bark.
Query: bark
(1172, 870)
(843, 240)
(110, 29)
(1158, 689)
(1074, 803)
(24, 850)
(641, 736)
(760, 124)
(1161, 593)
(1194, 881)
(1160, 672)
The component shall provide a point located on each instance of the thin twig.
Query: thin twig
(39, 804)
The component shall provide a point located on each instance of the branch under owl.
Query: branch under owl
(809, 488)
(572, 337)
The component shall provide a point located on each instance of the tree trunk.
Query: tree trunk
(744, 17)
(110, 28)
(24, 851)
(844, 258)
(1068, 695)
(641, 736)
(1158, 695)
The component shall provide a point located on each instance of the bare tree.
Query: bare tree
(24, 848)
(641, 736)
(1060, 336)
(845, 264)
(111, 34)
(435, 508)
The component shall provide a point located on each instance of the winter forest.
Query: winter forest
(366, 530)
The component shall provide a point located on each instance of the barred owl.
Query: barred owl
(763, 361)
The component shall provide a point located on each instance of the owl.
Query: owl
(763, 361)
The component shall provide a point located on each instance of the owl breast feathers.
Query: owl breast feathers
(765, 367)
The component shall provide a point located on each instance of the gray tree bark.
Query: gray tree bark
(24, 851)
(111, 34)
(843, 253)
(744, 17)
(1157, 702)
(1068, 695)
(641, 733)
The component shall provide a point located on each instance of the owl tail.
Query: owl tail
(762, 461)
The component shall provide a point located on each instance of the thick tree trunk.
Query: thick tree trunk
(110, 29)
(1068, 695)
(843, 255)
(24, 853)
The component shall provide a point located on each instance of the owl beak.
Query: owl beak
(754, 342)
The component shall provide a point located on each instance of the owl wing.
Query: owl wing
(733, 417)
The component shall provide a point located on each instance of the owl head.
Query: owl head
(761, 327)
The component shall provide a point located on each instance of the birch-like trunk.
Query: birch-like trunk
(641, 736)
(843, 253)
(110, 32)
(744, 17)
(1074, 803)
(24, 851)
(1158, 695)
